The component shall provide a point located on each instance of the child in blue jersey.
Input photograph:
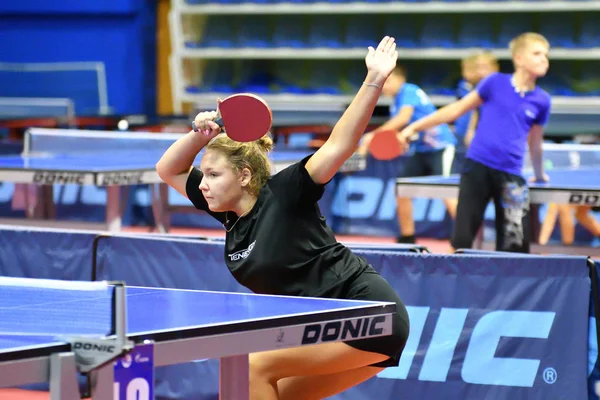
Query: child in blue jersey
(485, 64)
(461, 125)
(433, 150)
(473, 69)
(513, 113)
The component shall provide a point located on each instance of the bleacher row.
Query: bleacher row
(447, 31)
(575, 78)
(275, 72)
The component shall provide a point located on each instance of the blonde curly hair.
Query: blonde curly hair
(251, 155)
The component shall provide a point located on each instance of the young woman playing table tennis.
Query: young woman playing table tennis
(277, 241)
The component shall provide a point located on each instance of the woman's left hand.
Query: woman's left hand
(382, 61)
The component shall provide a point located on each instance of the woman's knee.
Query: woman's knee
(259, 370)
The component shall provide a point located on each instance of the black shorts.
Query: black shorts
(478, 185)
(429, 163)
(371, 286)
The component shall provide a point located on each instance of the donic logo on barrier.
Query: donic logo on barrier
(479, 363)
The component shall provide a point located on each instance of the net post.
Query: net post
(94, 353)
(120, 311)
(26, 142)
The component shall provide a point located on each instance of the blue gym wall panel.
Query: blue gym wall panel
(119, 33)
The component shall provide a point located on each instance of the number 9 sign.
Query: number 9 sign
(134, 374)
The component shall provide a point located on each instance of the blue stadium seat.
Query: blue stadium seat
(298, 1)
(352, 75)
(325, 31)
(589, 79)
(512, 26)
(406, 29)
(254, 31)
(290, 31)
(214, 1)
(221, 33)
(324, 77)
(589, 34)
(476, 30)
(378, 1)
(217, 77)
(255, 78)
(556, 86)
(433, 79)
(439, 31)
(559, 29)
(558, 81)
(288, 76)
(362, 31)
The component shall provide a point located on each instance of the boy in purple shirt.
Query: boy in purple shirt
(513, 112)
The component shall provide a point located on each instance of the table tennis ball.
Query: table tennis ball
(123, 125)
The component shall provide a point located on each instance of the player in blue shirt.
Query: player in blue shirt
(433, 151)
(513, 113)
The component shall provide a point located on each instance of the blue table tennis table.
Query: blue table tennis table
(574, 172)
(107, 159)
(48, 327)
(579, 186)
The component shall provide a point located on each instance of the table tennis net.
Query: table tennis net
(39, 141)
(47, 307)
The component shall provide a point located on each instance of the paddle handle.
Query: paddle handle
(218, 121)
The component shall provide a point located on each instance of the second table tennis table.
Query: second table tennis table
(574, 172)
(46, 323)
(579, 186)
(113, 160)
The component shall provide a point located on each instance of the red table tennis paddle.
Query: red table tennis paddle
(385, 145)
(245, 117)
